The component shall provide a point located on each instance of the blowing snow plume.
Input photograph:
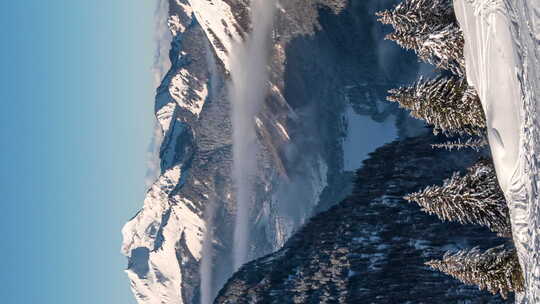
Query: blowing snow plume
(208, 291)
(247, 92)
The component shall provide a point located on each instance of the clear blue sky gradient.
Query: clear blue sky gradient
(76, 121)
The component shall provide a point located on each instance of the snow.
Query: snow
(491, 64)
(283, 131)
(152, 237)
(218, 22)
(364, 135)
(164, 116)
(175, 26)
(155, 204)
(502, 53)
(193, 225)
(185, 7)
(259, 122)
(156, 278)
(186, 95)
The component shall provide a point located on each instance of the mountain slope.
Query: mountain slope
(371, 247)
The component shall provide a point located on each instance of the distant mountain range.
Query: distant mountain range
(327, 55)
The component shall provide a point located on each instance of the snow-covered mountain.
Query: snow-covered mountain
(322, 62)
(326, 62)
(502, 53)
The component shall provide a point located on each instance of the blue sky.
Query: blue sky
(76, 122)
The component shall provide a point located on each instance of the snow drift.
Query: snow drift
(502, 53)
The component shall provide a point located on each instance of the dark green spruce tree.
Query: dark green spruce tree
(496, 270)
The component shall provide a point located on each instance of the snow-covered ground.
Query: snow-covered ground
(502, 53)
(364, 135)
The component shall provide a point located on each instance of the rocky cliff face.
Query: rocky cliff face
(326, 55)
(370, 248)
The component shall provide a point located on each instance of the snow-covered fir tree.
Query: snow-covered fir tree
(419, 16)
(443, 48)
(429, 28)
(449, 104)
(473, 198)
(496, 270)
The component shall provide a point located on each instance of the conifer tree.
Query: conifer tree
(449, 104)
(429, 28)
(497, 269)
(419, 16)
(443, 48)
(474, 198)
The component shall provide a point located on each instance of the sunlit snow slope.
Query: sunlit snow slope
(502, 50)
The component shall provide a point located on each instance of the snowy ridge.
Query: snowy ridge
(502, 53)
(182, 86)
(150, 216)
(219, 24)
(169, 229)
(151, 241)
(164, 116)
(175, 26)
